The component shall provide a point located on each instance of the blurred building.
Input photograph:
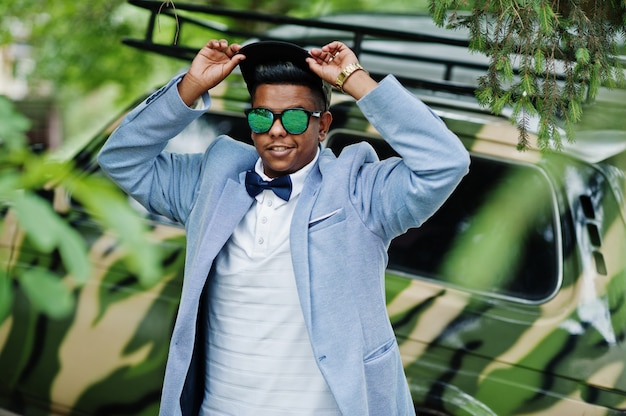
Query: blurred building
(16, 64)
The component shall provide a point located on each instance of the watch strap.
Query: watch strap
(346, 72)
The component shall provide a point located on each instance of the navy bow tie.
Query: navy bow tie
(255, 185)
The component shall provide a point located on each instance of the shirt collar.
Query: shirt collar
(297, 178)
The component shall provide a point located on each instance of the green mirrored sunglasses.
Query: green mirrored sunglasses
(294, 120)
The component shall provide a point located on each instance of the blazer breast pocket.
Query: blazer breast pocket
(327, 220)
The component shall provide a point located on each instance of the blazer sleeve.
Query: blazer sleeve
(133, 155)
(401, 193)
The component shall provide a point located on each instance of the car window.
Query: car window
(454, 235)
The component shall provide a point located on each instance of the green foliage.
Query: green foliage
(110, 207)
(13, 127)
(550, 56)
(76, 46)
(22, 175)
(47, 232)
(6, 295)
(47, 292)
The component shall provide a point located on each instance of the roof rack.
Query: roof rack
(357, 36)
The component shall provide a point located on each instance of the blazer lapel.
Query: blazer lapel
(233, 203)
(299, 235)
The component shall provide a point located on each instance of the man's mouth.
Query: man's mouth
(279, 148)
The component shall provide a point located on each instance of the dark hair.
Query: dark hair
(286, 73)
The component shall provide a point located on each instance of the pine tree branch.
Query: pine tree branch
(546, 57)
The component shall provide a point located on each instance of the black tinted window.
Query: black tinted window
(497, 233)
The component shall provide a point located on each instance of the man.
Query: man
(283, 304)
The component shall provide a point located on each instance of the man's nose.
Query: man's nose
(277, 128)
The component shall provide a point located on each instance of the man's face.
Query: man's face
(283, 153)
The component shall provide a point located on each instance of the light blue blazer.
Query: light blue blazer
(351, 207)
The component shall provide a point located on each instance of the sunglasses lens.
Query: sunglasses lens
(260, 120)
(295, 121)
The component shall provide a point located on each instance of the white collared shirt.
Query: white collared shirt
(260, 360)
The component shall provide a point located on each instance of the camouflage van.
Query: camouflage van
(511, 300)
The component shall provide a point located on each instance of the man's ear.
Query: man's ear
(326, 118)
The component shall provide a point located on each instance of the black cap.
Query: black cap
(270, 52)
